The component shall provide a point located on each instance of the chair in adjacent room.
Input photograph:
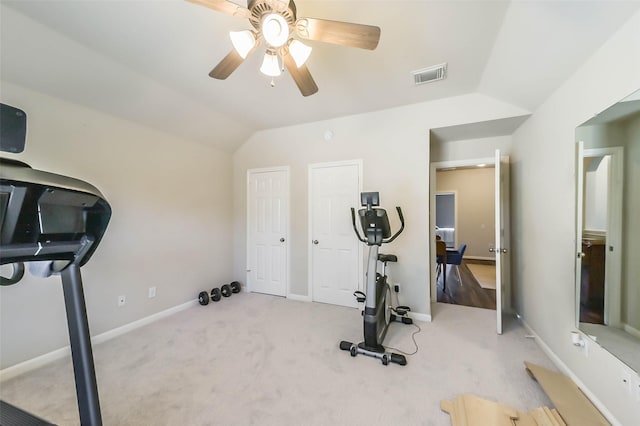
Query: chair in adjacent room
(441, 260)
(454, 257)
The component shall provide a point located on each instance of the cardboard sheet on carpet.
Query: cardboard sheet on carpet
(574, 407)
(471, 410)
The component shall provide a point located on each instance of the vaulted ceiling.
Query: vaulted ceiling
(148, 61)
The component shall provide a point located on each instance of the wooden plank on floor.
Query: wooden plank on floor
(572, 405)
(471, 410)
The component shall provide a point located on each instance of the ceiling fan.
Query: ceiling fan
(277, 26)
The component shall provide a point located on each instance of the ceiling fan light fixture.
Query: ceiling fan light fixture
(275, 29)
(270, 65)
(300, 52)
(243, 42)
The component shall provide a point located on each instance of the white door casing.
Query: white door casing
(268, 230)
(502, 230)
(335, 260)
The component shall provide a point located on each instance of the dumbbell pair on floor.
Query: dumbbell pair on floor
(217, 293)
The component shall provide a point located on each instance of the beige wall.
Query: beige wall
(543, 213)
(171, 202)
(475, 199)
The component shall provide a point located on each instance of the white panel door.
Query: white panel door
(336, 267)
(267, 231)
(502, 235)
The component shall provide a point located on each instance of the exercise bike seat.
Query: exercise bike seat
(387, 257)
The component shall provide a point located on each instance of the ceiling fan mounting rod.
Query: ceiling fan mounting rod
(261, 8)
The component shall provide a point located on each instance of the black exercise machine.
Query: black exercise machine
(57, 221)
(378, 312)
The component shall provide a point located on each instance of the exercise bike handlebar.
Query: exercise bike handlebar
(399, 210)
(355, 228)
(388, 240)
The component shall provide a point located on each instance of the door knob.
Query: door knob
(282, 240)
(491, 250)
(504, 250)
(315, 241)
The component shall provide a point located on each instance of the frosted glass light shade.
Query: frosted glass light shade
(243, 42)
(275, 30)
(299, 52)
(270, 65)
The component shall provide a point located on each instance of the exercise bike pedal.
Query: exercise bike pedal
(407, 320)
(398, 359)
(345, 346)
(360, 296)
(402, 310)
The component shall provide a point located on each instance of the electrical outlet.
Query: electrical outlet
(396, 288)
(122, 300)
(152, 292)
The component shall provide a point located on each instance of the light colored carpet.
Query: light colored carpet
(484, 274)
(260, 360)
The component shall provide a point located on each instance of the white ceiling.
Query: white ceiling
(148, 61)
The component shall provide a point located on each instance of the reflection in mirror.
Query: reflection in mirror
(608, 230)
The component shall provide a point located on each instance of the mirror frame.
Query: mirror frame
(629, 351)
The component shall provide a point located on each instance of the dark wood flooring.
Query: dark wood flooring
(591, 310)
(469, 293)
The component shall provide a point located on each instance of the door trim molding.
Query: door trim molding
(251, 172)
(310, 168)
(433, 167)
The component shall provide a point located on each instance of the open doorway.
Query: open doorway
(464, 224)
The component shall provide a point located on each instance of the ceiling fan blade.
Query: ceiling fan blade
(342, 33)
(224, 6)
(227, 65)
(301, 76)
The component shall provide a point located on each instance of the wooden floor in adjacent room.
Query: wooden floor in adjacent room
(469, 293)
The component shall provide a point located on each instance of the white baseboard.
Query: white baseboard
(298, 297)
(565, 369)
(415, 315)
(420, 317)
(42, 360)
(632, 330)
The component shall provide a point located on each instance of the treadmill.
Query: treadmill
(58, 222)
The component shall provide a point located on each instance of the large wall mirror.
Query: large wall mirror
(608, 230)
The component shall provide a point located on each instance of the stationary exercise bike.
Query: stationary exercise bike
(378, 312)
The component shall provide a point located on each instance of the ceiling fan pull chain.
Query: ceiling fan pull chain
(273, 82)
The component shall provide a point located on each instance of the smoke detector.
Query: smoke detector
(428, 75)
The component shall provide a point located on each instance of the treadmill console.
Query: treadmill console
(44, 216)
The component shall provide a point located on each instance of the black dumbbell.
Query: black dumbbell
(203, 298)
(226, 290)
(235, 287)
(216, 294)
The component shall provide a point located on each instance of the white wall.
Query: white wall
(394, 146)
(596, 188)
(543, 212)
(170, 227)
(470, 149)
